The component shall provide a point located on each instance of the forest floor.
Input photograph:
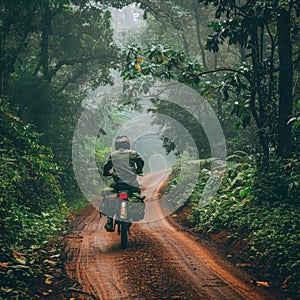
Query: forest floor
(163, 260)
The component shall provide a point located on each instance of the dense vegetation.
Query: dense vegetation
(50, 56)
(260, 226)
(258, 201)
(245, 63)
(33, 209)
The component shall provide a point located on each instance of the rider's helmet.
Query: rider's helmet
(122, 141)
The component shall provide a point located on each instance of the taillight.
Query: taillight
(123, 196)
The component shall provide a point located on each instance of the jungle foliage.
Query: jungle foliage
(51, 53)
(33, 210)
(258, 200)
(248, 210)
(246, 65)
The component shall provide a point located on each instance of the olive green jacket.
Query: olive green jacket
(125, 165)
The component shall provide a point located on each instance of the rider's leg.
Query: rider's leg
(109, 226)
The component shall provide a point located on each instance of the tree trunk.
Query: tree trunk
(256, 102)
(185, 44)
(243, 54)
(46, 27)
(14, 29)
(197, 17)
(285, 84)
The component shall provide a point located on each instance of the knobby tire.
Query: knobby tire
(124, 233)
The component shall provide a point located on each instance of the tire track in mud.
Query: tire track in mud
(160, 262)
(207, 272)
(90, 259)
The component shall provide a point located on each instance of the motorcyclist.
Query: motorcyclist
(124, 165)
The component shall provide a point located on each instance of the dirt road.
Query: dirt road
(161, 262)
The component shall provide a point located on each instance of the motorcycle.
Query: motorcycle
(122, 219)
(128, 208)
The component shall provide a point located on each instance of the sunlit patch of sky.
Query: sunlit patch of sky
(125, 21)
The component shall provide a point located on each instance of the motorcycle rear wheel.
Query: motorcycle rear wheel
(124, 235)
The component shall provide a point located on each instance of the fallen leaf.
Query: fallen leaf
(21, 261)
(48, 280)
(50, 262)
(3, 265)
(243, 265)
(52, 250)
(6, 290)
(262, 283)
(285, 282)
(17, 254)
(47, 293)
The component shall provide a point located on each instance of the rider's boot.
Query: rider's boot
(118, 227)
(109, 226)
(128, 227)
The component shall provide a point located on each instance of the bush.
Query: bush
(277, 180)
(32, 209)
(259, 205)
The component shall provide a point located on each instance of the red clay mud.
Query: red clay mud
(162, 261)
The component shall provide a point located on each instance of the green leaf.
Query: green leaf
(245, 192)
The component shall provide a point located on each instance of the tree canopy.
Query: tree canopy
(261, 86)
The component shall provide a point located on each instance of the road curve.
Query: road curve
(161, 261)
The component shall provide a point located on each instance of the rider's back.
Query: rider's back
(124, 165)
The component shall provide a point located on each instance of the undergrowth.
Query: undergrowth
(259, 204)
(33, 211)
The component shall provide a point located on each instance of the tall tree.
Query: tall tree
(51, 53)
(285, 81)
(16, 23)
(250, 24)
(67, 42)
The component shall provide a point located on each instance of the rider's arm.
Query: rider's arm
(139, 164)
(107, 167)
